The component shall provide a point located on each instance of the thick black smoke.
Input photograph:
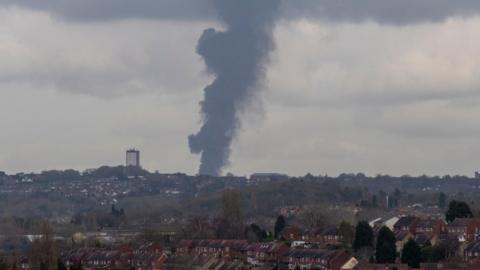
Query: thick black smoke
(237, 57)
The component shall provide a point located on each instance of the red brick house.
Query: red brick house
(471, 251)
(396, 266)
(262, 253)
(465, 229)
(401, 238)
(312, 236)
(184, 247)
(293, 233)
(316, 259)
(90, 258)
(449, 266)
(105, 259)
(432, 227)
(331, 236)
(148, 256)
(406, 223)
(149, 261)
(228, 249)
(149, 247)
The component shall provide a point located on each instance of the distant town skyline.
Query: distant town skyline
(380, 91)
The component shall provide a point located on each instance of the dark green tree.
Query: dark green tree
(385, 251)
(374, 201)
(279, 226)
(61, 265)
(347, 232)
(363, 236)
(3, 264)
(442, 200)
(412, 254)
(458, 209)
(254, 230)
(434, 254)
(392, 202)
(76, 266)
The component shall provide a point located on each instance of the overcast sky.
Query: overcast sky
(352, 86)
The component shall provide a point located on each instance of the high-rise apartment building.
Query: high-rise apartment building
(133, 158)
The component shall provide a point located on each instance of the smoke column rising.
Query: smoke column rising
(236, 57)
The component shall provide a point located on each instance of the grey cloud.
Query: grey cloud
(382, 11)
(94, 10)
(107, 59)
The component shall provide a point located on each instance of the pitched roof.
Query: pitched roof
(473, 246)
(422, 238)
(312, 253)
(405, 221)
(331, 231)
(461, 222)
(266, 247)
(401, 235)
(427, 223)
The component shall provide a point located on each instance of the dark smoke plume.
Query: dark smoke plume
(237, 57)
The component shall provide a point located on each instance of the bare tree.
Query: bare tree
(231, 224)
(198, 228)
(43, 251)
(314, 218)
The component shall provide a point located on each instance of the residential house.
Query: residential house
(263, 253)
(229, 249)
(148, 247)
(24, 263)
(317, 259)
(184, 247)
(423, 239)
(449, 266)
(406, 223)
(331, 236)
(471, 251)
(76, 258)
(465, 229)
(387, 222)
(148, 256)
(350, 264)
(314, 236)
(396, 266)
(105, 259)
(454, 248)
(149, 261)
(432, 227)
(402, 238)
(292, 233)
(203, 263)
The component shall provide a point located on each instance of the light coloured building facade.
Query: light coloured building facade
(133, 158)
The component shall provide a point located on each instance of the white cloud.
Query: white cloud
(349, 63)
(371, 98)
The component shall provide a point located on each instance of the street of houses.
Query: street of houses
(298, 249)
